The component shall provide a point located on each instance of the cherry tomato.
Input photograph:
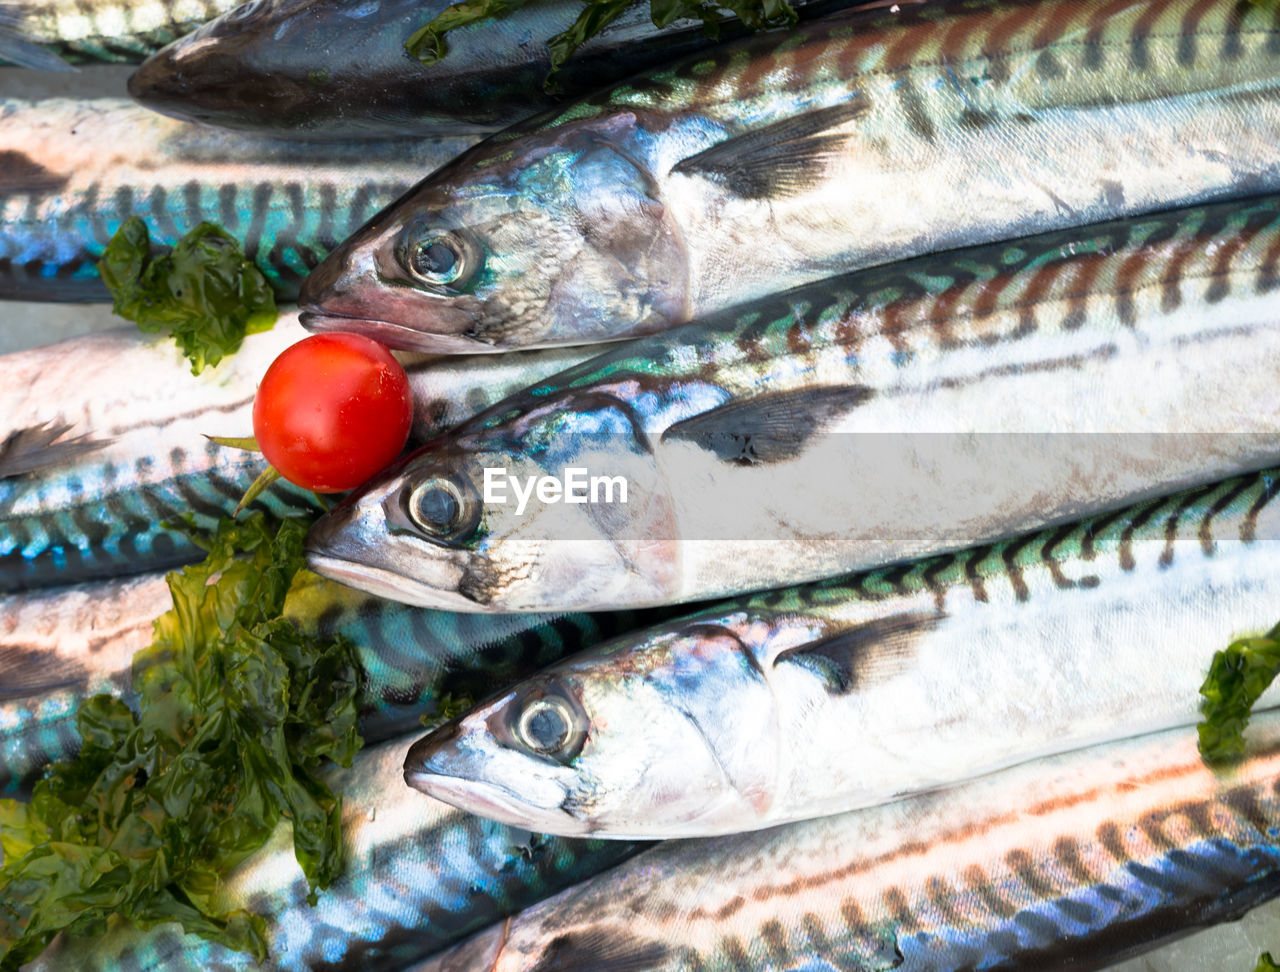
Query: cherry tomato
(332, 410)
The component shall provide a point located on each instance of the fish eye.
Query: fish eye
(441, 506)
(438, 259)
(545, 725)
(549, 724)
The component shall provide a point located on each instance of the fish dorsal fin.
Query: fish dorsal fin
(37, 446)
(780, 159)
(19, 173)
(20, 50)
(28, 671)
(772, 427)
(866, 654)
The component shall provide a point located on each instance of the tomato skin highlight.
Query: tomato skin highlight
(332, 410)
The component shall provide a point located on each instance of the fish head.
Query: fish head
(224, 72)
(562, 241)
(656, 735)
(525, 517)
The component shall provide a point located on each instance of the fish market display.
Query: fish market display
(419, 875)
(59, 646)
(1067, 862)
(68, 179)
(45, 33)
(792, 156)
(101, 511)
(797, 703)
(256, 68)
(904, 410)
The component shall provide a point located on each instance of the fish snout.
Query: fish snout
(208, 81)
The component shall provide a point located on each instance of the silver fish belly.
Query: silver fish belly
(815, 700)
(1069, 862)
(896, 412)
(787, 158)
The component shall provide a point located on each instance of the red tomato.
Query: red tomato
(332, 410)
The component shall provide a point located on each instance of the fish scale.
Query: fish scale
(915, 677)
(1070, 861)
(787, 158)
(67, 182)
(889, 413)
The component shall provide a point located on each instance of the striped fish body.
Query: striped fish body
(59, 646)
(68, 180)
(901, 411)
(101, 513)
(794, 704)
(790, 157)
(114, 31)
(256, 69)
(1068, 862)
(418, 876)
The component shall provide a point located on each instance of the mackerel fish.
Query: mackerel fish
(99, 511)
(1072, 861)
(789, 157)
(803, 702)
(906, 410)
(419, 876)
(255, 68)
(59, 646)
(68, 180)
(46, 34)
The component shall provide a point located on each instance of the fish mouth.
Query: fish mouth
(481, 798)
(398, 336)
(387, 583)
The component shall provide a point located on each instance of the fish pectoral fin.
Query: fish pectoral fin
(772, 427)
(18, 49)
(32, 448)
(602, 951)
(781, 159)
(866, 653)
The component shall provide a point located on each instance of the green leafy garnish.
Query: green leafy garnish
(1237, 678)
(205, 292)
(1266, 963)
(237, 711)
(428, 43)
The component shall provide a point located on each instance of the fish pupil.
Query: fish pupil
(438, 506)
(434, 258)
(547, 728)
